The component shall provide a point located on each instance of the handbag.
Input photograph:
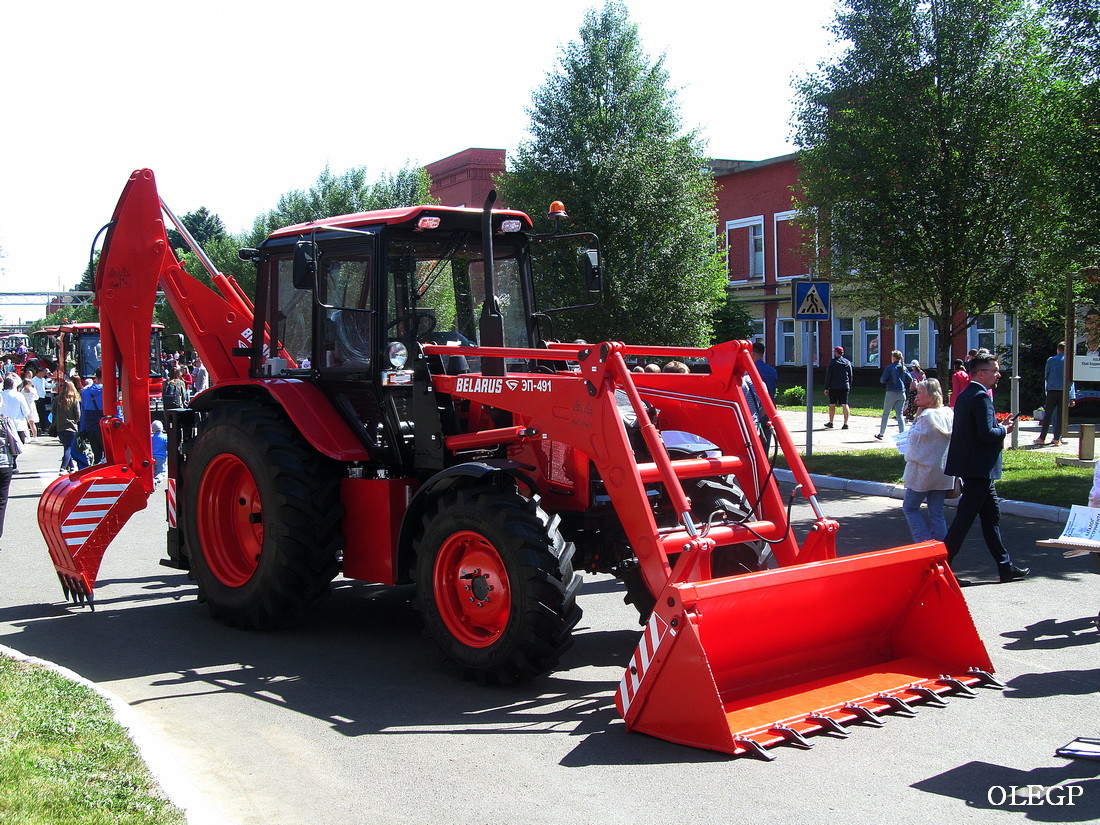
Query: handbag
(957, 490)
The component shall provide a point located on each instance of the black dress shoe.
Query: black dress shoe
(1014, 574)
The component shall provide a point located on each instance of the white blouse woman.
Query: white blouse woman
(925, 454)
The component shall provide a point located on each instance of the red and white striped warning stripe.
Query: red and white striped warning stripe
(92, 508)
(654, 634)
(170, 499)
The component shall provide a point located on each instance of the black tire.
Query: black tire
(261, 517)
(724, 496)
(481, 542)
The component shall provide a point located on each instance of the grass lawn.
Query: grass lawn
(1029, 475)
(65, 761)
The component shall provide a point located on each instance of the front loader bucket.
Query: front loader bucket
(742, 663)
(80, 514)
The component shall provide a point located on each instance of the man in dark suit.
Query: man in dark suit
(770, 376)
(974, 455)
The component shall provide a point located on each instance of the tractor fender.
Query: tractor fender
(469, 474)
(305, 405)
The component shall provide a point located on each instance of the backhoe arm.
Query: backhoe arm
(80, 514)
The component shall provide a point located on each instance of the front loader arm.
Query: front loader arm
(80, 514)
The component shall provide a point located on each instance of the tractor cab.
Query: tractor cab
(350, 302)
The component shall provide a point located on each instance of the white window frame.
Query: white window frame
(776, 218)
(743, 223)
(780, 341)
(759, 331)
(865, 330)
(975, 333)
(901, 332)
(839, 336)
(932, 340)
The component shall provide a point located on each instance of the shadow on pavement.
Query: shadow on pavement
(987, 786)
(362, 664)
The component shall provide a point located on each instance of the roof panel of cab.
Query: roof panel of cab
(390, 217)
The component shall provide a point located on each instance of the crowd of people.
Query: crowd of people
(951, 450)
(35, 404)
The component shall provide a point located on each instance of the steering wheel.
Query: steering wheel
(421, 319)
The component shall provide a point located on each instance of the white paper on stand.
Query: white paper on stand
(1082, 528)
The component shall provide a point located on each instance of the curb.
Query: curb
(164, 768)
(1026, 509)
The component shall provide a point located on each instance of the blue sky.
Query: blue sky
(234, 103)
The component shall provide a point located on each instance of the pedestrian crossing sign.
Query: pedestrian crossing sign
(810, 300)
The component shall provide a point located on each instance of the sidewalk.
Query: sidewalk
(862, 429)
(860, 435)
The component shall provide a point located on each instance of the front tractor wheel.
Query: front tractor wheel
(261, 516)
(496, 585)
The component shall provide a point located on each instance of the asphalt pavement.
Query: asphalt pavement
(353, 718)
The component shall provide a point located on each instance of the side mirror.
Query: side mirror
(305, 265)
(172, 342)
(593, 275)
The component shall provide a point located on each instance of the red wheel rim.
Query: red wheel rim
(471, 589)
(230, 520)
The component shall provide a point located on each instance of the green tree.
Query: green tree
(1076, 26)
(345, 194)
(332, 194)
(606, 139)
(203, 225)
(927, 167)
(732, 321)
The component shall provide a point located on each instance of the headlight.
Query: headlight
(397, 354)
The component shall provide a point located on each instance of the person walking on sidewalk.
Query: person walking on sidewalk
(959, 379)
(66, 419)
(10, 448)
(91, 411)
(918, 375)
(838, 383)
(770, 376)
(897, 382)
(925, 453)
(1054, 380)
(974, 455)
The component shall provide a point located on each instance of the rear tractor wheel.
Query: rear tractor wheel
(261, 518)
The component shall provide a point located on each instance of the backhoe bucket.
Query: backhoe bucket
(79, 515)
(742, 663)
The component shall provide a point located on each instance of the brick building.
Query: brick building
(763, 243)
(465, 178)
(756, 216)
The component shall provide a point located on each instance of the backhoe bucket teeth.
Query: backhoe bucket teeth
(740, 664)
(79, 515)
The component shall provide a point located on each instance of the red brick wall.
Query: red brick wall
(465, 178)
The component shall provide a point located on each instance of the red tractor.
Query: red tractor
(74, 349)
(392, 407)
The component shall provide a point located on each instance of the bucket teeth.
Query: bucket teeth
(929, 696)
(75, 591)
(828, 723)
(988, 679)
(959, 686)
(865, 715)
(897, 704)
(754, 748)
(793, 737)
